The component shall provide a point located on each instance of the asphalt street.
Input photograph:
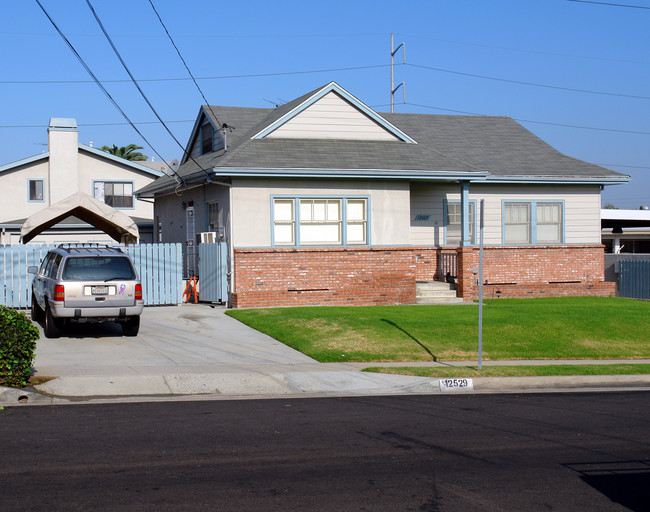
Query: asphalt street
(568, 452)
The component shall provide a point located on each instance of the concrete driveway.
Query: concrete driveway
(194, 349)
(169, 337)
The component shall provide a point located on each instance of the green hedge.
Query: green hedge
(18, 337)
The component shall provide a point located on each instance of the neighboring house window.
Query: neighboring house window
(453, 216)
(534, 222)
(320, 221)
(36, 190)
(117, 194)
(206, 138)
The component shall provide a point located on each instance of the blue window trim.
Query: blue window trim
(92, 192)
(42, 200)
(533, 220)
(445, 202)
(296, 220)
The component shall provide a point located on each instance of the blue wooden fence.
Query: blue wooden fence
(634, 279)
(160, 267)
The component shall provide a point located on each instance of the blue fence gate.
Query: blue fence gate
(213, 272)
(160, 267)
(634, 279)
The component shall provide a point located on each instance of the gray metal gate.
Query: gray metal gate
(213, 272)
(634, 279)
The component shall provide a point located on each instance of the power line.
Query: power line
(185, 64)
(221, 77)
(87, 68)
(563, 125)
(523, 50)
(137, 85)
(531, 84)
(611, 4)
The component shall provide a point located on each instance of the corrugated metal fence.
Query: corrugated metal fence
(160, 267)
(634, 279)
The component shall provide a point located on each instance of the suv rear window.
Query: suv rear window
(98, 268)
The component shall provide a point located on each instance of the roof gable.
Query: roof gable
(116, 159)
(332, 113)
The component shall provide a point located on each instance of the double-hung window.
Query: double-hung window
(453, 219)
(320, 221)
(118, 194)
(533, 222)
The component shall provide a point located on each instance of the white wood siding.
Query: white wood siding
(581, 209)
(251, 209)
(332, 117)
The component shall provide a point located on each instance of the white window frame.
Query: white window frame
(99, 192)
(346, 227)
(533, 222)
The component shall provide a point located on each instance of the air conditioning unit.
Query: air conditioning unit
(209, 237)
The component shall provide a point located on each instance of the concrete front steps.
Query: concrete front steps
(435, 292)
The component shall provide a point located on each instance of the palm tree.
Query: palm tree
(128, 153)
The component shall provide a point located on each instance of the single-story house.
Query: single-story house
(325, 201)
(68, 167)
(626, 231)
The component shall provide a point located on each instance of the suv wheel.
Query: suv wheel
(37, 312)
(131, 326)
(52, 329)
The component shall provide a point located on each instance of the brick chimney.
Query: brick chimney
(63, 169)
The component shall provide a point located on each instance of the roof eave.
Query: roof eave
(564, 180)
(352, 174)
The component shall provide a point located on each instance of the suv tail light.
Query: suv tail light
(138, 292)
(59, 293)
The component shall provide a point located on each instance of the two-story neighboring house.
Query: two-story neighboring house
(32, 184)
(325, 201)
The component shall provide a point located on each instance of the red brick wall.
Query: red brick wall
(535, 271)
(369, 276)
(323, 276)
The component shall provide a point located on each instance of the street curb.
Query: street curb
(13, 396)
(562, 382)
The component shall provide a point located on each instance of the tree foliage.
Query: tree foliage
(127, 152)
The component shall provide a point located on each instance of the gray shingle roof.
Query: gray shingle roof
(497, 145)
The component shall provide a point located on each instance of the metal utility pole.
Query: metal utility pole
(392, 72)
(480, 290)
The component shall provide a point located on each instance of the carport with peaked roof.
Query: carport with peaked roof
(117, 225)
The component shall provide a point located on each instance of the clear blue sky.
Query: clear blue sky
(299, 45)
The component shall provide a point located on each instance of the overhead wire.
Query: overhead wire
(531, 84)
(103, 89)
(220, 77)
(224, 126)
(137, 85)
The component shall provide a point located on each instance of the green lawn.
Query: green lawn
(556, 328)
(516, 371)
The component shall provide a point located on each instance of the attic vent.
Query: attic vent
(207, 137)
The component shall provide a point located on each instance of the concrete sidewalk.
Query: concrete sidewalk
(198, 351)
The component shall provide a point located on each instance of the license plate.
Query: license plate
(100, 290)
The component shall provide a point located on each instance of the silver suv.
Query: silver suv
(86, 284)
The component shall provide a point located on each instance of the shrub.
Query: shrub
(18, 337)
